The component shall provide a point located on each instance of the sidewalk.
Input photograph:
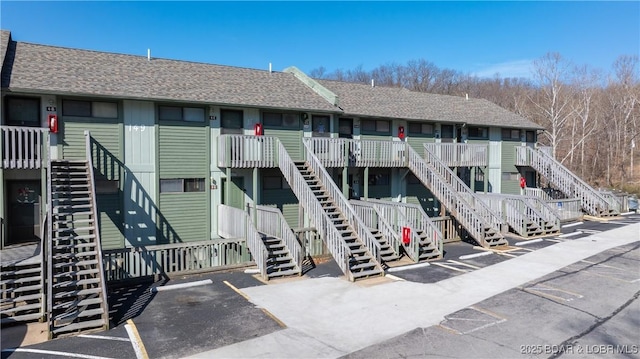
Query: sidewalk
(330, 317)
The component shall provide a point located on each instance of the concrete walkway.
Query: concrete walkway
(330, 317)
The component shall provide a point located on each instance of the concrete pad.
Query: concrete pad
(24, 334)
(337, 313)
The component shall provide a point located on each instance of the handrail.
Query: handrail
(245, 151)
(380, 222)
(341, 152)
(49, 247)
(308, 200)
(454, 202)
(559, 175)
(94, 214)
(271, 222)
(461, 188)
(362, 231)
(460, 154)
(22, 147)
(243, 227)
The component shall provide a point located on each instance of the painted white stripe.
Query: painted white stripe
(103, 337)
(623, 223)
(570, 234)
(180, 286)
(462, 264)
(52, 352)
(252, 271)
(572, 224)
(481, 254)
(626, 213)
(553, 240)
(524, 243)
(391, 276)
(450, 267)
(412, 266)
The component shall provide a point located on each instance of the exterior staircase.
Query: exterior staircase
(22, 284)
(361, 262)
(76, 295)
(485, 226)
(571, 185)
(387, 253)
(527, 216)
(280, 262)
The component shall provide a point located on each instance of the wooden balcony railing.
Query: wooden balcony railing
(23, 147)
(459, 154)
(243, 151)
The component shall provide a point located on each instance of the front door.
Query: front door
(236, 192)
(23, 217)
(345, 128)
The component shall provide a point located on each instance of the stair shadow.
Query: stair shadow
(128, 300)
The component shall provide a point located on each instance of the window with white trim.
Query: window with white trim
(97, 109)
(182, 185)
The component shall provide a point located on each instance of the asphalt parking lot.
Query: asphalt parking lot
(588, 303)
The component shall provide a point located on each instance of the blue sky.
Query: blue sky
(481, 38)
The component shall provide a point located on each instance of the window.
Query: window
(416, 128)
(231, 119)
(320, 125)
(345, 127)
(510, 176)
(177, 113)
(447, 132)
(23, 111)
(288, 120)
(379, 179)
(531, 136)
(478, 132)
(510, 134)
(180, 185)
(274, 182)
(378, 126)
(98, 109)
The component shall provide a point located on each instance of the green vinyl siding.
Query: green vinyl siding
(183, 150)
(417, 143)
(106, 147)
(291, 139)
(508, 165)
(381, 137)
(286, 201)
(183, 217)
(110, 217)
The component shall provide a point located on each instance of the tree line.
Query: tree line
(591, 117)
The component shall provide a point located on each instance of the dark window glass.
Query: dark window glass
(23, 111)
(231, 119)
(194, 185)
(478, 132)
(368, 125)
(320, 125)
(509, 134)
(170, 113)
(531, 136)
(272, 119)
(447, 131)
(76, 108)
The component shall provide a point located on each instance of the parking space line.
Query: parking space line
(570, 234)
(52, 352)
(450, 267)
(543, 289)
(572, 224)
(264, 310)
(89, 336)
(463, 264)
(136, 341)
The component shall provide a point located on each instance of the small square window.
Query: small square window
(76, 108)
(291, 120)
(104, 109)
(272, 119)
(478, 132)
(193, 114)
(23, 111)
(170, 185)
(510, 176)
(383, 126)
(368, 125)
(231, 119)
(170, 113)
(194, 185)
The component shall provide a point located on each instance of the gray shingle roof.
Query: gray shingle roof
(392, 102)
(60, 70)
(5, 36)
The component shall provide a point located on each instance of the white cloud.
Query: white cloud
(517, 68)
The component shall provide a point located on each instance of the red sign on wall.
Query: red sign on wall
(406, 235)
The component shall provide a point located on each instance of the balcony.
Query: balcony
(23, 147)
(459, 154)
(243, 151)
